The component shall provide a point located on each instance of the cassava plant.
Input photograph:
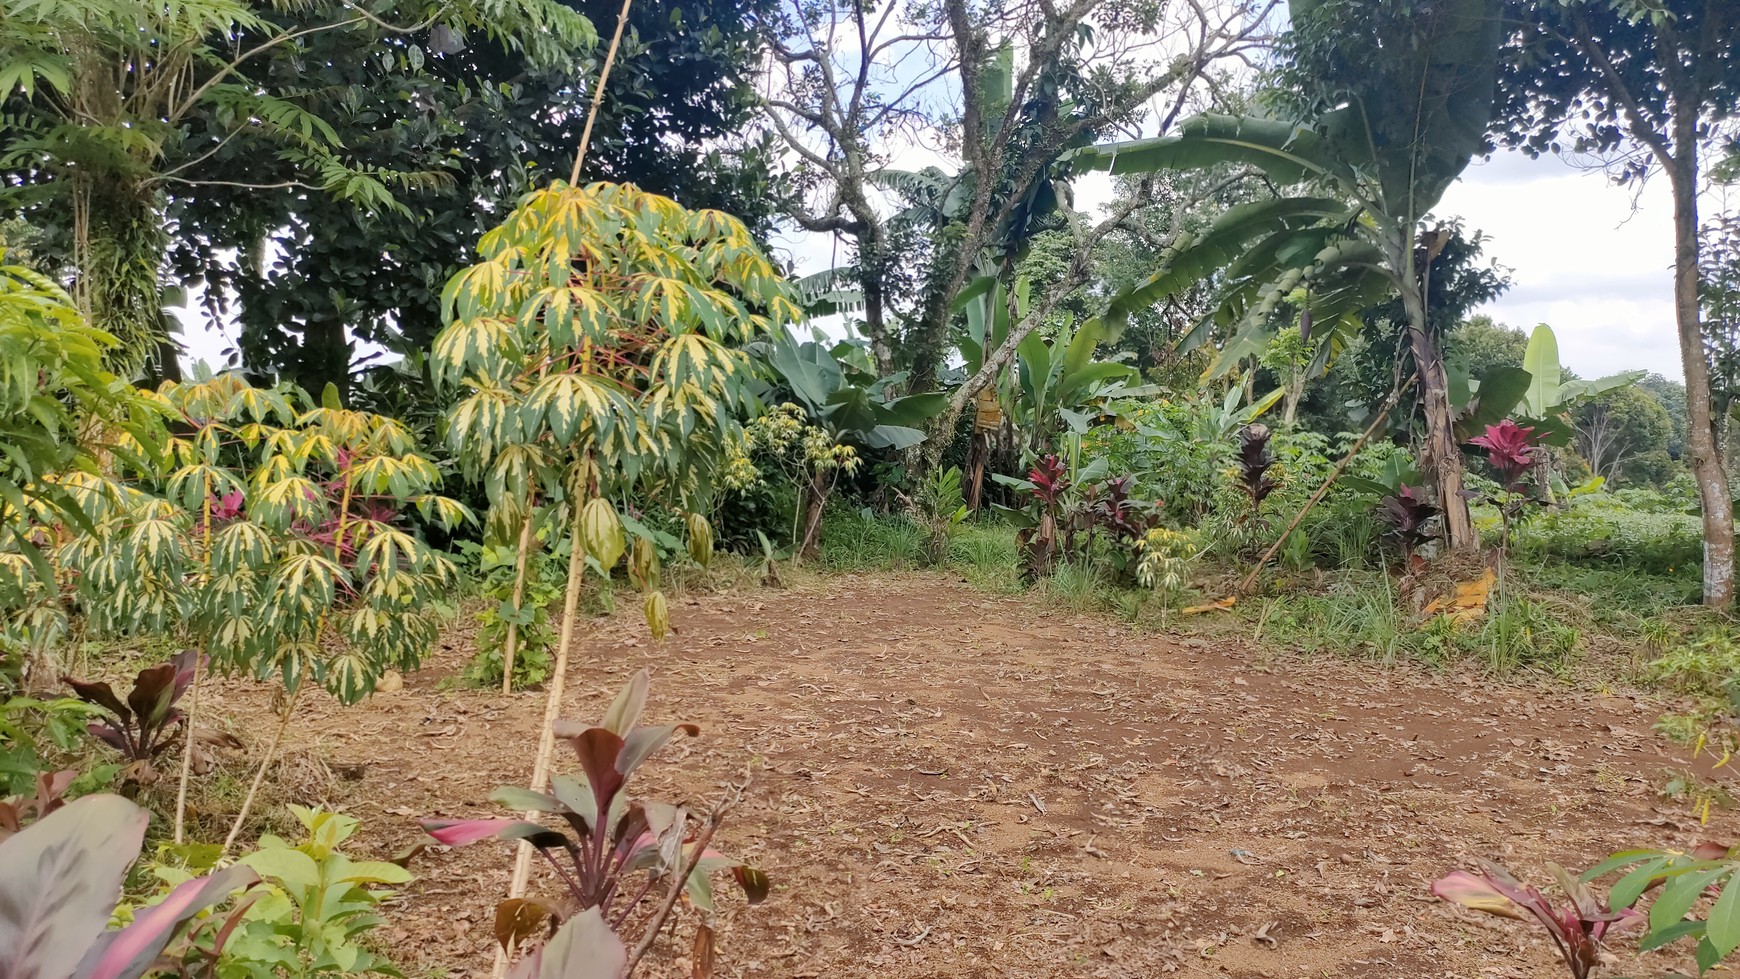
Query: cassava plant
(279, 543)
(1165, 562)
(61, 413)
(627, 862)
(148, 723)
(594, 351)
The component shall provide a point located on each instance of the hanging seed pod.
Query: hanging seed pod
(643, 564)
(658, 615)
(700, 540)
(601, 533)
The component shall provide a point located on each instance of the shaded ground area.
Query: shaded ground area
(949, 783)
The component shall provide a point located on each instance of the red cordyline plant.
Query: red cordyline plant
(1576, 925)
(1407, 512)
(1511, 450)
(622, 853)
(1255, 457)
(148, 723)
(1049, 479)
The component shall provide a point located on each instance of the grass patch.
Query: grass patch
(859, 541)
(986, 555)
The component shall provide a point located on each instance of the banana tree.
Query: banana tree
(839, 393)
(1365, 165)
(1550, 396)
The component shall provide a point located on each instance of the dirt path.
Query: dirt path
(955, 784)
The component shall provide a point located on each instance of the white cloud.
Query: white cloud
(1591, 259)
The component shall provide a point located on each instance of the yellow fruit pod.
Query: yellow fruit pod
(700, 540)
(601, 533)
(658, 615)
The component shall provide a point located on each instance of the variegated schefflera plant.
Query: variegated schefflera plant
(626, 866)
(595, 350)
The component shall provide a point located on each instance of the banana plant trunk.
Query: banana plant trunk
(1440, 458)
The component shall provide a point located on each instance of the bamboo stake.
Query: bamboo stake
(265, 763)
(576, 556)
(598, 92)
(552, 708)
(193, 695)
(1250, 578)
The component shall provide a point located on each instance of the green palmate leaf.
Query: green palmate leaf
(1681, 892)
(1723, 924)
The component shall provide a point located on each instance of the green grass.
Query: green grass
(986, 555)
(1552, 613)
(855, 541)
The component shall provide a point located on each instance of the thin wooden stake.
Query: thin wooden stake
(1250, 578)
(265, 763)
(513, 630)
(576, 557)
(552, 708)
(187, 749)
(193, 695)
(598, 92)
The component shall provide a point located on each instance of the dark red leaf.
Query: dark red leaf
(598, 749)
(754, 883)
(102, 695)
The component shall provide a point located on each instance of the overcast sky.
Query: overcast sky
(1591, 259)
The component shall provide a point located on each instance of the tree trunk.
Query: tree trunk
(118, 260)
(809, 542)
(1440, 458)
(1703, 455)
(977, 459)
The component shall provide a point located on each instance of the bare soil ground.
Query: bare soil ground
(949, 783)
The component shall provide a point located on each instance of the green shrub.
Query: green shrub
(1611, 528)
(1708, 666)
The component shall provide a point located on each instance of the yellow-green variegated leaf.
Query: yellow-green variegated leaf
(601, 532)
(349, 676)
(307, 583)
(569, 406)
(658, 615)
(700, 539)
(482, 423)
(446, 512)
(483, 345)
